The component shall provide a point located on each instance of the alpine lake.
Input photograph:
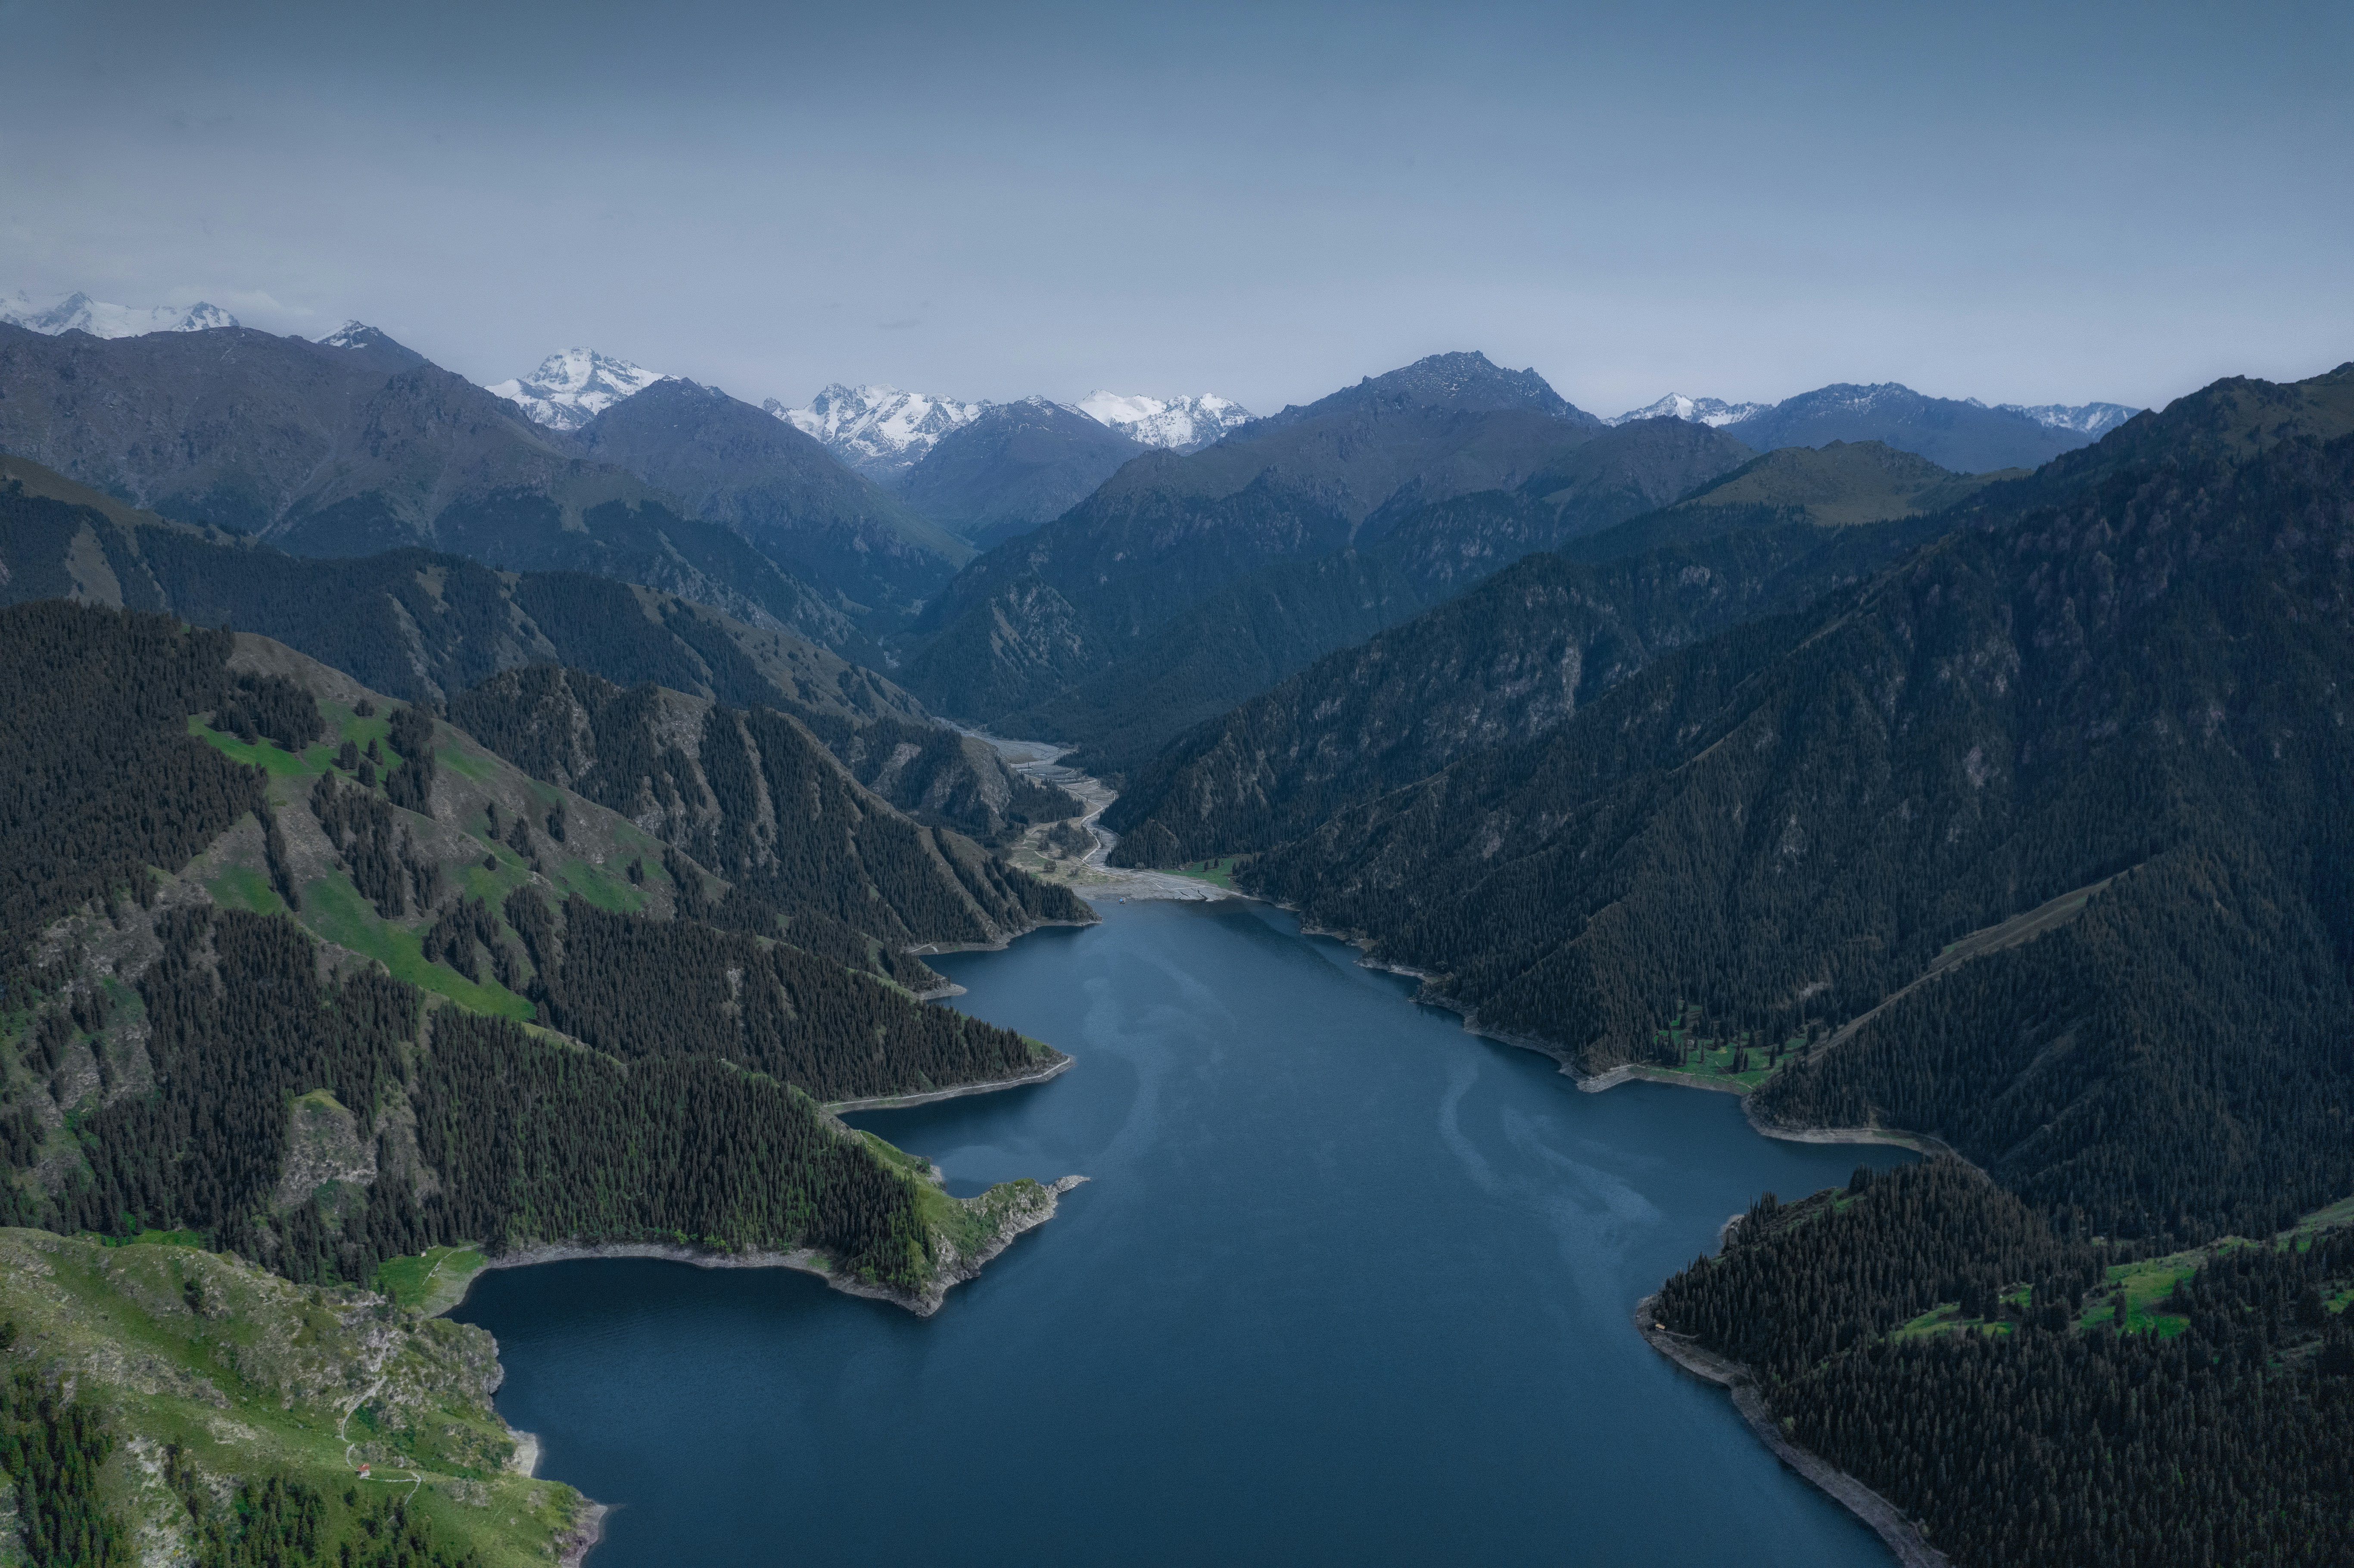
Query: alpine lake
(1345, 1285)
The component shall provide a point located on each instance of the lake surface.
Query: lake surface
(1347, 1286)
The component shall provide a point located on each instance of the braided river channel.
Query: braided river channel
(1346, 1284)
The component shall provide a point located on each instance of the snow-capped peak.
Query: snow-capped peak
(571, 388)
(79, 313)
(1181, 424)
(351, 335)
(1710, 411)
(2093, 420)
(880, 432)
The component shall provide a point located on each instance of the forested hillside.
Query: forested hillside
(1509, 661)
(2030, 1400)
(427, 626)
(1788, 824)
(753, 794)
(185, 1054)
(2034, 843)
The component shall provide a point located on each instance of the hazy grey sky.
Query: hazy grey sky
(2028, 203)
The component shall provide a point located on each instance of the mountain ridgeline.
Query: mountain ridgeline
(754, 795)
(427, 626)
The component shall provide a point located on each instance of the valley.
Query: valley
(466, 885)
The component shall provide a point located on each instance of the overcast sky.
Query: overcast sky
(2022, 204)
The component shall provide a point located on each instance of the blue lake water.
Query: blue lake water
(1347, 1286)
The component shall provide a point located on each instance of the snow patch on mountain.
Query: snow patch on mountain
(571, 388)
(79, 313)
(1710, 411)
(1181, 424)
(878, 431)
(2093, 420)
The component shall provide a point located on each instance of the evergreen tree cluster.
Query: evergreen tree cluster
(2213, 1430)
(374, 848)
(51, 1447)
(255, 705)
(536, 1140)
(98, 778)
(410, 785)
(517, 1137)
(765, 1005)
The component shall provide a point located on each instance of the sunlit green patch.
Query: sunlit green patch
(333, 910)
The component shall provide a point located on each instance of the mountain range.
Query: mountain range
(1901, 418)
(571, 388)
(884, 432)
(79, 313)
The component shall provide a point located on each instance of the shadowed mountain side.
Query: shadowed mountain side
(1072, 597)
(1514, 658)
(426, 626)
(1967, 438)
(1244, 639)
(733, 464)
(1790, 823)
(1015, 466)
(757, 797)
(352, 451)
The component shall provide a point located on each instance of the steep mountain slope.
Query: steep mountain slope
(2127, 701)
(756, 796)
(1513, 659)
(1711, 411)
(231, 1039)
(1966, 437)
(571, 388)
(357, 445)
(879, 431)
(731, 463)
(1181, 424)
(1244, 638)
(79, 313)
(1014, 466)
(427, 626)
(1034, 615)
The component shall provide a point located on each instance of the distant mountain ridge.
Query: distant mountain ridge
(78, 312)
(876, 429)
(1179, 424)
(1966, 437)
(571, 388)
(1015, 466)
(2092, 420)
(1714, 412)
(734, 464)
(1036, 616)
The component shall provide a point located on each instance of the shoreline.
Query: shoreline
(954, 1271)
(1054, 1069)
(1897, 1532)
(1923, 1143)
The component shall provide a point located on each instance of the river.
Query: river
(1347, 1285)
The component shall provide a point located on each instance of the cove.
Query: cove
(1347, 1285)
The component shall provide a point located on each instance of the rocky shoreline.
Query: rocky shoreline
(1025, 1215)
(1054, 1069)
(1901, 1536)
